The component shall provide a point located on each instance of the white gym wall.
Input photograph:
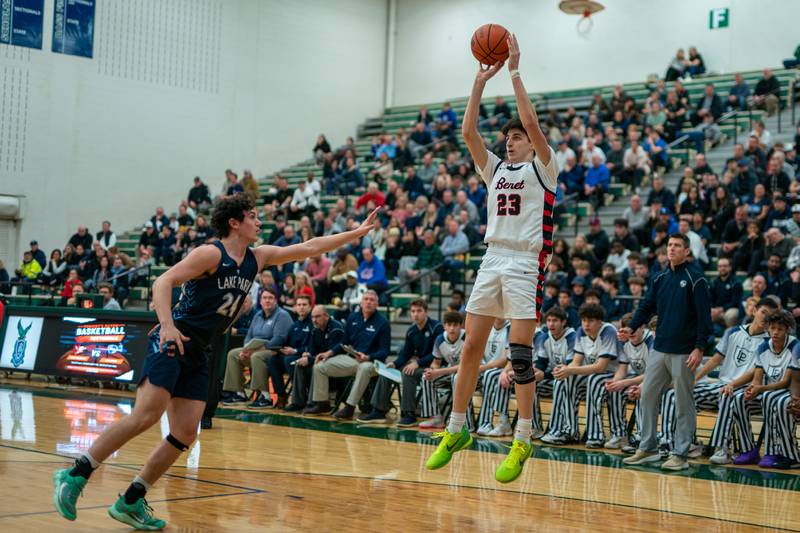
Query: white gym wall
(178, 88)
(630, 39)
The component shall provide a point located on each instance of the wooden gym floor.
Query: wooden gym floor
(261, 471)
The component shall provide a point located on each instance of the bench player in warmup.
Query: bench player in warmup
(216, 279)
(509, 282)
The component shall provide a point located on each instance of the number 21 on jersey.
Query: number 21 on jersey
(508, 204)
(229, 305)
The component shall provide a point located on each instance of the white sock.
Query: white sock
(91, 460)
(265, 395)
(142, 482)
(457, 421)
(523, 430)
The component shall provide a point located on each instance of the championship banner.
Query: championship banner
(21, 23)
(73, 27)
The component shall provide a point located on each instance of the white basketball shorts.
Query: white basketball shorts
(508, 285)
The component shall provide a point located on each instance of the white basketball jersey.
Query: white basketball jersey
(520, 203)
(774, 364)
(556, 351)
(496, 344)
(739, 349)
(635, 355)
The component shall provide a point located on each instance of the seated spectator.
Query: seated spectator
(623, 234)
(106, 290)
(454, 246)
(597, 240)
(82, 237)
(656, 118)
(779, 215)
(738, 94)
(141, 276)
(661, 193)
(199, 197)
(767, 93)
(463, 203)
(677, 66)
(447, 349)
(372, 273)
(637, 218)
(204, 231)
(778, 282)
(419, 140)
(382, 169)
(185, 220)
(596, 182)
(749, 250)
(305, 200)
(55, 273)
(373, 195)
(149, 239)
(571, 178)
(303, 288)
(160, 219)
(322, 148)
(166, 246)
(119, 281)
(636, 164)
(317, 268)
(428, 257)
(271, 325)
(286, 290)
(250, 186)
(38, 254)
(657, 149)
(288, 238)
(775, 180)
(618, 257)
(102, 274)
(600, 106)
(414, 358)
(694, 64)
(77, 290)
(763, 136)
(324, 342)
(72, 280)
(297, 344)
(413, 185)
(28, 271)
(500, 115)
(368, 335)
(675, 112)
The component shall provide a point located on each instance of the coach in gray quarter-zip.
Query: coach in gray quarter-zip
(680, 296)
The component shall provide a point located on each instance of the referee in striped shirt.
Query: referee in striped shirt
(680, 296)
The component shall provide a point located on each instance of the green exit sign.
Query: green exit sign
(719, 18)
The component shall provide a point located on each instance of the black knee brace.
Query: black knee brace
(175, 442)
(522, 363)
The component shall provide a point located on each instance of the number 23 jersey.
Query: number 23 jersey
(520, 203)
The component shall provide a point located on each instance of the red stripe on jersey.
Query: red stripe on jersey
(549, 198)
(547, 228)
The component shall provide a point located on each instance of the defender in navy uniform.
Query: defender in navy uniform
(216, 279)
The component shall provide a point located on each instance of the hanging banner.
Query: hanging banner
(21, 22)
(73, 27)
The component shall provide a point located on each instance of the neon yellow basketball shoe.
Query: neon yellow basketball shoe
(451, 443)
(511, 467)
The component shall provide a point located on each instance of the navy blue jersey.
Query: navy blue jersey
(209, 305)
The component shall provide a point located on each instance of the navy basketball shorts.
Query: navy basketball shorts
(184, 376)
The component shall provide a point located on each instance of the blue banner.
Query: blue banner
(73, 27)
(21, 22)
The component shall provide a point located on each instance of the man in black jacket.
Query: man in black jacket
(726, 295)
(767, 93)
(415, 356)
(680, 296)
(326, 338)
(297, 344)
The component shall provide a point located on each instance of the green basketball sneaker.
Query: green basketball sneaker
(67, 488)
(511, 467)
(451, 443)
(138, 515)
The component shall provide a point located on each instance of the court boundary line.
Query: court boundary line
(508, 491)
(250, 490)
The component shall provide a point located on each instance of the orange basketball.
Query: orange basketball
(489, 44)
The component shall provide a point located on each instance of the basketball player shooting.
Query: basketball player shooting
(216, 279)
(510, 278)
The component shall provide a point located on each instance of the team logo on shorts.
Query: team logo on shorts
(683, 283)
